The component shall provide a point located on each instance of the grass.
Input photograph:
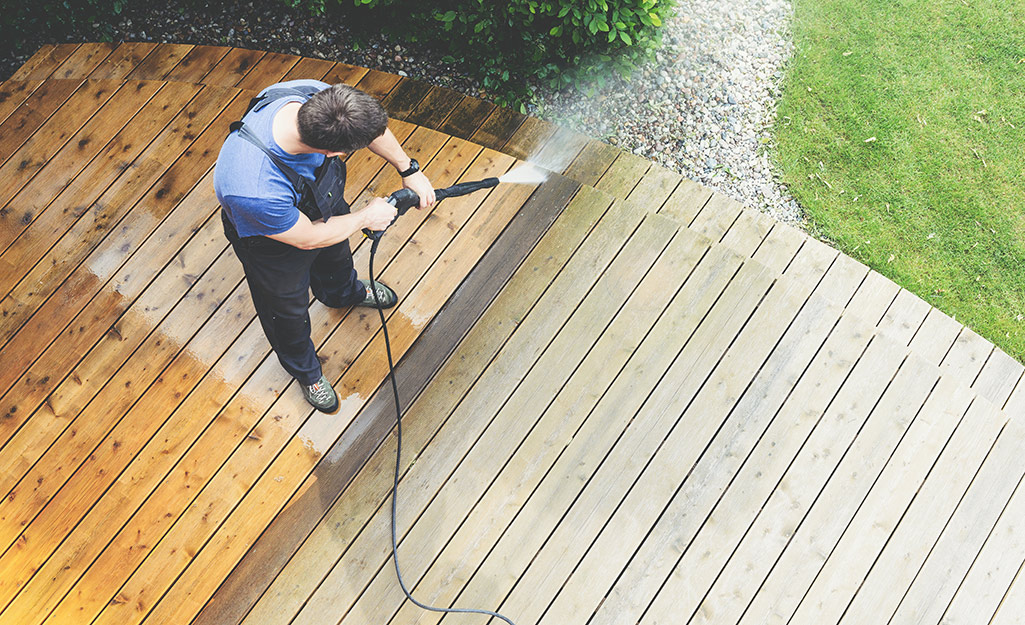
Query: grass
(901, 132)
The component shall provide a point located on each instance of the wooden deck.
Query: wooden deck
(629, 399)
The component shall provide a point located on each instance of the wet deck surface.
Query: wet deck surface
(628, 398)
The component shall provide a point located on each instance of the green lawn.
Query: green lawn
(936, 201)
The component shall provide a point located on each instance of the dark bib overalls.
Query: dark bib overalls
(280, 276)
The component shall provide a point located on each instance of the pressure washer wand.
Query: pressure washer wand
(405, 199)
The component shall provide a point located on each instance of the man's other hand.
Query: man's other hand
(379, 214)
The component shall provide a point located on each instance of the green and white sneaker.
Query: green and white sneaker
(320, 395)
(386, 298)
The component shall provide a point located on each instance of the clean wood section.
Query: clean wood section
(626, 398)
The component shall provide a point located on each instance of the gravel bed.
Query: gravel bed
(704, 107)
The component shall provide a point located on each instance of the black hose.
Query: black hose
(398, 449)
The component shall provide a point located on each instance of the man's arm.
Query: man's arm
(387, 147)
(307, 235)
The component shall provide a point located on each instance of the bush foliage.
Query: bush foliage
(553, 42)
(508, 45)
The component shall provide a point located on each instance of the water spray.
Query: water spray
(403, 200)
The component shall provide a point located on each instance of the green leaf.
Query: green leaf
(626, 38)
(655, 19)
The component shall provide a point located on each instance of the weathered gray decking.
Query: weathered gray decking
(629, 399)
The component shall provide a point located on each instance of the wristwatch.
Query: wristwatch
(413, 168)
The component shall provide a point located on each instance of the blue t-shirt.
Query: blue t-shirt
(255, 194)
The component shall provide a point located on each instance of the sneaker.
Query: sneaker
(320, 395)
(385, 296)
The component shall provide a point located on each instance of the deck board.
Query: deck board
(630, 399)
(44, 61)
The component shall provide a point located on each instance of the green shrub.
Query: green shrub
(554, 42)
(57, 17)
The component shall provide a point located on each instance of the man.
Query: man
(280, 184)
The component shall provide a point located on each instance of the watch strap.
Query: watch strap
(414, 167)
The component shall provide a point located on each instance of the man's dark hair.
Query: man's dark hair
(341, 119)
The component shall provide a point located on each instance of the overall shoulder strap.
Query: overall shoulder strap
(277, 93)
(293, 177)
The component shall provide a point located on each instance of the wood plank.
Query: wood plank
(560, 150)
(467, 118)
(125, 58)
(504, 436)
(1015, 405)
(158, 66)
(62, 406)
(557, 424)
(83, 60)
(655, 186)
(998, 378)
(901, 558)
(936, 336)
(530, 334)
(435, 108)
(345, 74)
(33, 113)
(81, 193)
(663, 411)
(1013, 604)
(767, 435)
(779, 244)
(232, 68)
(405, 97)
(717, 216)
(316, 69)
(13, 94)
(175, 439)
(49, 139)
(44, 62)
(594, 160)
(623, 175)
(993, 572)
(812, 443)
(966, 357)
(973, 520)
(105, 260)
(498, 129)
(60, 169)
(197, 63)
(686, 201)
(529, 138)
(377, 84)
(689, 471)
(874, 298)
(747, 233)
(904, 318)
(126, 403)
(250, 579)
(271, 68)
(98, 219)
(300, 453)
(849, 562)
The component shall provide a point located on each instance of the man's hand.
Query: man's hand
(379, 214)
(421, 185)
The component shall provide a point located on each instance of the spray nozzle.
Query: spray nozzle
(405, 199)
